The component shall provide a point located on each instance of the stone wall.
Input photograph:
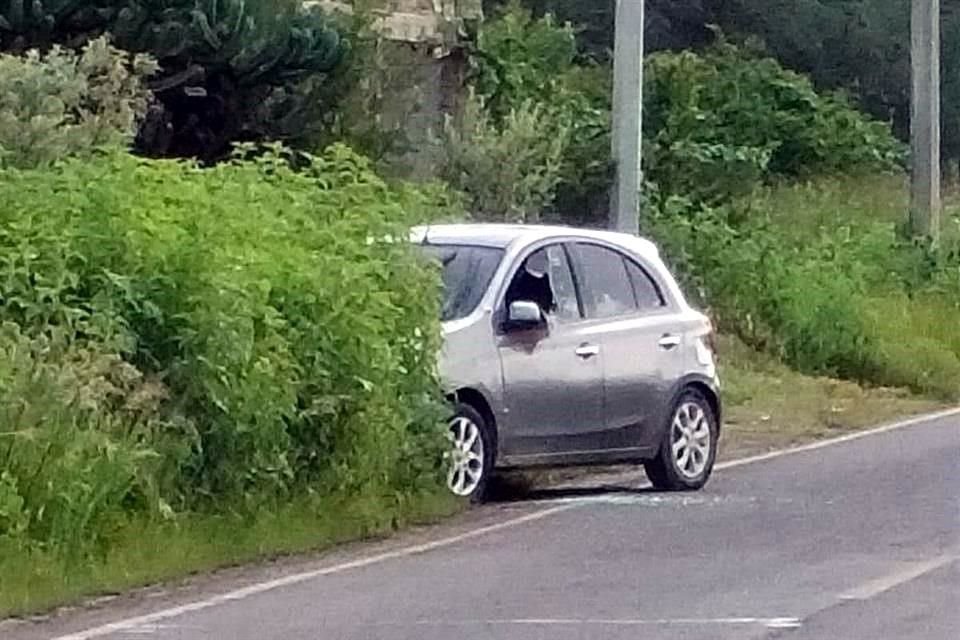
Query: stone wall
(423, 68)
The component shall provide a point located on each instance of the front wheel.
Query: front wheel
(471, 456)
(689, 447)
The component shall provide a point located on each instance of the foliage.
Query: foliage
(233, 70)
(61, 103)
(670, 24)
(522, 63)
(80, 441)
(858, 46)
(719, 122)
(508, 171)
(833, 299)
(281, 350)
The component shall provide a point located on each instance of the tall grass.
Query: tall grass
(180, 345)
(818, 274)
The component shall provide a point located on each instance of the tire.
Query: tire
(692, 419)
(470, 461)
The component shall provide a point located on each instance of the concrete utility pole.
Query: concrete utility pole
(627, 115)
(925, 202)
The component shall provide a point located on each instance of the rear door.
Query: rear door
(641, 343)
(553, 377)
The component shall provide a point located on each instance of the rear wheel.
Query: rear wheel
(471, 455)
(689, 447)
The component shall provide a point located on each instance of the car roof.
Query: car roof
(503, 236)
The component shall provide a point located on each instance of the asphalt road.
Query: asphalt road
(855, 541)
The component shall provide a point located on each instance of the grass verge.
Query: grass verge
(146, 553)
(769, 406)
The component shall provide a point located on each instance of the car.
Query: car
(566, 346)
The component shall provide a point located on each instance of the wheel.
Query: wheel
(689, 447)
(471, 458)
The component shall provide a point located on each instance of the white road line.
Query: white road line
(907, 573)
(822, 444)
(778, 623)
(297, 578)
(262, 587)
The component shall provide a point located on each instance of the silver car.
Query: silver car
(566, 347)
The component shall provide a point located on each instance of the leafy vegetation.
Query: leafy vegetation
(61, 103)
(508, 170)
(527, 70)
(829, 293)
(718, 123)
(721, 122)
(232, 70)
(857, 46)
(185, 340)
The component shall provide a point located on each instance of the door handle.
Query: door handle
(669, 342)
(587, 351)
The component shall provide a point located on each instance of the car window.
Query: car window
(467, 272)
(645, 288)
(605, 284)
(555, 292)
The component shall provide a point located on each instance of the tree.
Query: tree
(231, 70)
(670, 24)
(859, 46)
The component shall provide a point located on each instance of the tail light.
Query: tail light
(711, 339)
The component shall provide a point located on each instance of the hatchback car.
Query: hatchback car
(566, 347)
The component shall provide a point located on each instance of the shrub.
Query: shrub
(294, 352)
(508, 171)
(720, 121)
(832, 299)
(62, 103)
(528, 66)
(81, 440)
(232, 70)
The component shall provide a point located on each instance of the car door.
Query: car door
(640, 342)
(553, 376)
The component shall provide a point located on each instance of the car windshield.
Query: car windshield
(467, 271)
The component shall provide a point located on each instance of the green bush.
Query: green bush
(286, 349)
(526, 66)
(61, 103)
(720, 121)
(80, 441)
(232, 70)
(825, 297)
(508, 171)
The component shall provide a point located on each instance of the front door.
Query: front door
(553, 376)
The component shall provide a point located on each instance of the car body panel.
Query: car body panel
(551, 394)
(552, 406)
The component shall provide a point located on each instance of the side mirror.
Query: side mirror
(524, 314)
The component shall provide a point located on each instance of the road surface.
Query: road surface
(858, 540)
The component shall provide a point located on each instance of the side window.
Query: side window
(649, 297)
(604, 281)
(545, 277)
